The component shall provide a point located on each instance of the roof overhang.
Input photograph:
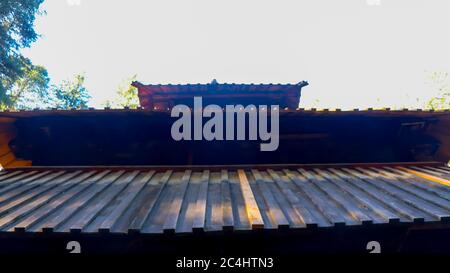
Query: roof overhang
(142, 137)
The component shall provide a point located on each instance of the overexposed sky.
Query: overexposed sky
(354, 53)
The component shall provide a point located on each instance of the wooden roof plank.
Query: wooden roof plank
(341, 197)
(189, 207)
(10, 180)
(27, 195)
(171, 221)
(434, 172)
(82, 217)
(273, 207)
(376, 187)
(42, 198)
(59, 199)
(123, 202)
(21, 188)
(164, 208)
(351, 203)
(254, 215)
(14, 185)
(227, 207)
(304, 206)
(415, 197)
(435, 195)
(149, 198)
(420, 182)
(73, 205)
(267, 216)
(87, 219)
(7, 174)
(426, 176)
(199, 220)
(368, 202)
(251, 207)
(321, 200)
(442, 169)
(294, 220)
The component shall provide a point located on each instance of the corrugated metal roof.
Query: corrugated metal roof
(180, 200)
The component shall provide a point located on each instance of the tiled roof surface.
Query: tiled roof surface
(167, 95)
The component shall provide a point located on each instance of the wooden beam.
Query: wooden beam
(200, 207)
(230, 167)
(253, 213)
(18, 163)
(7, 159)
(173, 211)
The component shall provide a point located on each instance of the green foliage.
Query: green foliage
(22, 84)
(71, 94)
(16, 31)
(440, 82)
(30, 90)
(126, 95)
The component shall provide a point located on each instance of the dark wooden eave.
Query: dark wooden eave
(142, 137)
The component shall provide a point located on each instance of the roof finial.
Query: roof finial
(214, 81)
(137, 84)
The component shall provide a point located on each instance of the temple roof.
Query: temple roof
(168, 95)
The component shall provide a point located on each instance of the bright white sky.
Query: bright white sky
(354, 53)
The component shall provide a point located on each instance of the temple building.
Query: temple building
(117, 176)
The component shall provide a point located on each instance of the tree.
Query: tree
(126, 95)
(71, 94)
(440, 82)
(16, 32)
(30, 90)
